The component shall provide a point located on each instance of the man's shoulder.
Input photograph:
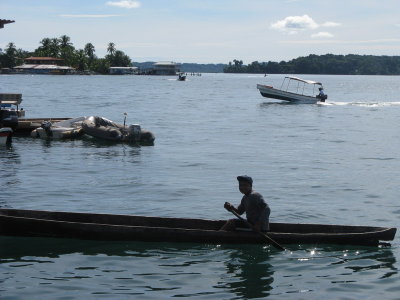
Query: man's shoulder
(256, 194)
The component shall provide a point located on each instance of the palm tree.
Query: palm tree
(54, 47)
(66, 49)
(11, 55)
(44, 50)
(65, 41)
(111, 48)
(89, 50)
(81, 60)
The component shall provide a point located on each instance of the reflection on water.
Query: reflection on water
(190, 270)
(252, 271)
(9, 163)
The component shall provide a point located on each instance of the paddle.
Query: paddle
(271, 241)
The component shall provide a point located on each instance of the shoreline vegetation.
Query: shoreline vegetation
(86, 60)
(328, 64)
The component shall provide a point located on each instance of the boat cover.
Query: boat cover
(303, 80)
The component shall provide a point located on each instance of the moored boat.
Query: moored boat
(67, 129)
(18, 222)
(105, 129)
(9, 114)
(293, 89)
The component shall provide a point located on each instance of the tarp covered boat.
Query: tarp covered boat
(105, 129)
(17, 222)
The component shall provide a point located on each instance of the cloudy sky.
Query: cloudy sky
(209, 31)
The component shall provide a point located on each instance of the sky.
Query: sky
(209, 31)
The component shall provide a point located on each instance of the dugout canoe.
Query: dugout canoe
(94, 226)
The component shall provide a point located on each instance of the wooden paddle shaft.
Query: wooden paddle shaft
(271, 241)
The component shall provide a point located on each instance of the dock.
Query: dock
(27, 125)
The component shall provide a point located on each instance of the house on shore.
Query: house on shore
(166, 68)
(123, 70)
(161, 68)
(43, 65)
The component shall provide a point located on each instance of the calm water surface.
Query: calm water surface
(336, 163)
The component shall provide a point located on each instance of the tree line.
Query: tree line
(350, 64)
(81, 59)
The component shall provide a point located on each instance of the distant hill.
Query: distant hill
(188, 67)
(350, 64)
(203, 68)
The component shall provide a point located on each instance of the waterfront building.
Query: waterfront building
(123, 70)
(166, 68)
(43, 65)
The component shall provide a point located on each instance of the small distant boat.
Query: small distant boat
(293, 89)
(19, 222)
(181, 77)
(5, 135)
(67, 129)
(105, 129)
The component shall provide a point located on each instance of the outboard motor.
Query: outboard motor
(134, 133)
(8, 118)
(46, 125)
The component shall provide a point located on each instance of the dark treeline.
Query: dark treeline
(187, 67)
(82, 59)
(323, 64)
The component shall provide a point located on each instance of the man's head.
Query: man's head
(245, 184)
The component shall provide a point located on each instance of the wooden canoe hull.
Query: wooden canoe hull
(15, 222)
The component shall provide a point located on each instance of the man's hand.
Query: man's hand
(228, 206)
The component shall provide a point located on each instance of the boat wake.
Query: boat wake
(360, 104)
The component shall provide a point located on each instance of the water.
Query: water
(335, 163)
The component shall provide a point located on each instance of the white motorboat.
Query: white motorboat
(67, 129)
(5, 135)
(294, 89)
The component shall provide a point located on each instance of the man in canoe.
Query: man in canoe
(253, 203)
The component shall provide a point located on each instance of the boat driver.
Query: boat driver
(253, 203)
(321, 96)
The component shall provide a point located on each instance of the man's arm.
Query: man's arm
(230, 207)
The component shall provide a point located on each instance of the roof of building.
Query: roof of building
(124, 68)
(42, 58)
(41, 67)
(165, 63)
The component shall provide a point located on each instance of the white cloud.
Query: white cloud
(293, 24)
(322, 35)
(88, 16)
(124, 3)
(330, 24)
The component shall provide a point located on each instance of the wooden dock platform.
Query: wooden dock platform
(26, 125)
